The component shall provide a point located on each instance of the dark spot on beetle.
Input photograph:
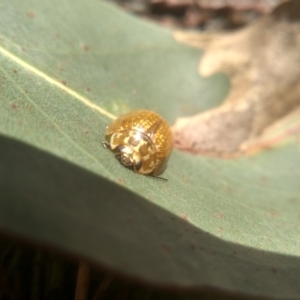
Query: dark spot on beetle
(64, 82)
(15, 71)
(31, 14)
(13, 106)
(166, 249)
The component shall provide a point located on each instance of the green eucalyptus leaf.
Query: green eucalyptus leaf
(67, 68)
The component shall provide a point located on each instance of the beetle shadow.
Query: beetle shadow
(49, 201)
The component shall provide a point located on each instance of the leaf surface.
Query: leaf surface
(67, 68)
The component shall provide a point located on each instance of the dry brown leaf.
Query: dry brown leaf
(259, 5)
(263, 63)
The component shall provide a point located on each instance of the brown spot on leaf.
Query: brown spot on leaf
(120, 181)
(185, 179)
(273, 213)
(217, 215)
(13, 106)
(31, 14)
(166, 249)
(263, 180)
(293, 200)
(64, 82)
(185, 217)
(262, 61)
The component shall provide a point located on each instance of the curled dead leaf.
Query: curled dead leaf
(263, 63)
(259, 5)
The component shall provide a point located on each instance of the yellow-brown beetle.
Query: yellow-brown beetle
(141, 140)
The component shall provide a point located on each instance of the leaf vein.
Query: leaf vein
(58, 84)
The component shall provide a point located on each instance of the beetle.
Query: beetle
(141, 140)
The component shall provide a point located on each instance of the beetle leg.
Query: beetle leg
(137, 166)
(106, 145)
(118, 156)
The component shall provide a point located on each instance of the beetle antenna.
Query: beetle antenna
(160, 178)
